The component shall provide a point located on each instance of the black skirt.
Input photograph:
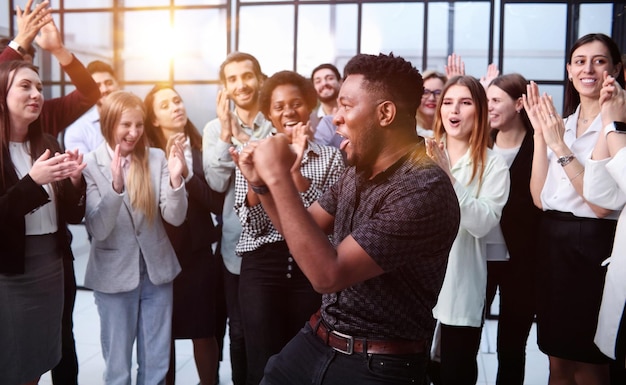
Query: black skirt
(31, 306)
(570, 281)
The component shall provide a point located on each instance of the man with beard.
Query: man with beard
(327, 81)
(241, 78)
(85, 134)
(393, 216)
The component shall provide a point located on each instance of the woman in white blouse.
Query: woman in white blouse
(481, 180)
(575, 236)
(605, 184)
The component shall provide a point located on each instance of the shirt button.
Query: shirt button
(289, 267)
(288, 275)
(290, 259)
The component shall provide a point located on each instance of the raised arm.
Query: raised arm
(59, 113)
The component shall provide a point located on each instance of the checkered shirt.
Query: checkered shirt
(322, 165)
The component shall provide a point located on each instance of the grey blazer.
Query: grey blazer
(121, 235)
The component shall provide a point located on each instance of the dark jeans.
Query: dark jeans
(307, 360)
(238, 360)
(459, 348)
(276, 299)
(66, 371)
(516, 279)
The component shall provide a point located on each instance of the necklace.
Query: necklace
(580, 117)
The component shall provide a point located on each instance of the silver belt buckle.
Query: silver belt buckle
(349, 343)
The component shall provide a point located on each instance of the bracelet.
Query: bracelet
(577, 175)
(565, 159)
(262, 189)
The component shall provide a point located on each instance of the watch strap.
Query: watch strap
(18, 48)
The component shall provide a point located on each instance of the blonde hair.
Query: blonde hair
(138, 182)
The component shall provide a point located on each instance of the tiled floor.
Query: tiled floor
(91, 364)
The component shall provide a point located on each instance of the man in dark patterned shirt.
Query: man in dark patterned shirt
(393, 217)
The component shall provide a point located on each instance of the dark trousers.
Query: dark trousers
(276, 299)
(66, 371)
(307, 360)
(459, 348)
(238, 361)
(516, 279)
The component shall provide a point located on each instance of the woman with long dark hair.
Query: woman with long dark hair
(575, 236)
(194, 288)
(41, 191)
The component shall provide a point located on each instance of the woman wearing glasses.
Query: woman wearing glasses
(433, 84)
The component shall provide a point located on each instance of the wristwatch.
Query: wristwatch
(565, 159)
(17, 48)
(620, 127)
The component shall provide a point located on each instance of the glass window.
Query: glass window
(200, 2)
(145, 3)
(94, 43)
(595, 18)
(437, 54)
(200, 41)
(199, 102)
(393, 27)
(82, 4)
(534, 42)
(556, 92)
(346, 34)
(150, 43)
(270, 41)
(319, 33)
(470, 35)
(4, 21)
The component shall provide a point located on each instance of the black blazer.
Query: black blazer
(193, 239)
(520, 216)
(18, 197)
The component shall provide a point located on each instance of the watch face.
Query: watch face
(620, 126)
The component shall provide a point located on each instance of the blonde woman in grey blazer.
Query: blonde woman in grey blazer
(131, 189)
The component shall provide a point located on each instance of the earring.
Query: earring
(518, 111)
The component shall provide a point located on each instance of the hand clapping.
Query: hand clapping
(176, 163)
(47, 169)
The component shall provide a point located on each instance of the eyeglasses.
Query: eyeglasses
(428, 92)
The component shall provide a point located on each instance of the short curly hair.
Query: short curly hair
(282, 78)
(392, 77)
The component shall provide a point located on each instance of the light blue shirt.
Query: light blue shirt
(219, 170)
(85, 133)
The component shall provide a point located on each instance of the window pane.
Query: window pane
(82, 4)
(198, 58)
(471, 36)
(346, 34)
(149, 45)
(393, 27)
(145, 3)
(534, 40)
(4, 21)
(556, 92)
(200, 2)
(319, 29)
(199, 102)
(595, 18)
(437, 54)
(470, 39)
(270, 42)
(94, 43)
